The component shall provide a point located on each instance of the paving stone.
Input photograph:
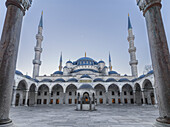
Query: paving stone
(66, 116)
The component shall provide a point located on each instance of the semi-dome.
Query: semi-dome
(123, 80)
(85, 76)
(18, 72)
(46, 80)
(69, 62)
(72, 80)
(112, 72)
(28, 77)
(101, 61)
(150, 72)
(98, 80)
(58, 73)
(111, 80)
(59, 80)
(86, 86)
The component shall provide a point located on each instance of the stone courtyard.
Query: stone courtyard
(66, 116)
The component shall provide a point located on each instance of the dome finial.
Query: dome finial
(85, 54)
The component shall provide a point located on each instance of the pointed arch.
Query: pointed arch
(71, 91)
(113, 94)
(100, 94)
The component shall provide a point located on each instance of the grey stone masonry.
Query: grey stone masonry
(159, 54)
(8, 53)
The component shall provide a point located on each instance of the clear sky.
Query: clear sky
(74, 27)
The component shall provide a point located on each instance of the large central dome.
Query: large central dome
(85, 58)
(86, 61)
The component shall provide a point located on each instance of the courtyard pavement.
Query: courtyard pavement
(66, 116)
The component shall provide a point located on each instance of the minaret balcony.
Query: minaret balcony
(38, 49)
(39, 37)
(37, 62)
(133, 49)
(134, 62)
(131, 38)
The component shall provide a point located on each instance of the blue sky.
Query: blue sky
(74, 27)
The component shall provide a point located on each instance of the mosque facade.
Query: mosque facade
(84, 74)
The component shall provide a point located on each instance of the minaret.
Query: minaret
(38, 49)
(110, 64)
(132, 50)
(60, 66)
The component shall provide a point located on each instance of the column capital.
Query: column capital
(14, 87)
(22, 4)
(27, 90)
(144, 5)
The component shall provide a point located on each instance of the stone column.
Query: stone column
(159, 55)
(134, 95)
(14, 96)
(156, 102)
(107, 99)
(121, 97)
(26, 97)
(8, 53)
(48, 101)
(143, 96)
(64, 98)
(35, 99)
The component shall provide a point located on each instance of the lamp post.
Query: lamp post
(159, 55)
(8, 53)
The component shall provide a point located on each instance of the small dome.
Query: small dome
(65, 67)
(36, 80)
(112, 72)
(86, 86)
(85, 76)
(28, 77)
(46, 80)
(124, 80)
(111, 80)
(133, 80)
(98, 80)
(59, 80)
(18, 72)
(58, 73)
(69, 62)
(142, 76)
(150, 72)
(72, 80)
(101, 61)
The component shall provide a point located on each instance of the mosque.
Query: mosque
(84, 74)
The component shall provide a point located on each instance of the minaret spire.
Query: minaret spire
(38, 49)
(41, 20)
(110, 64)
(60, 66)
(132, 50)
